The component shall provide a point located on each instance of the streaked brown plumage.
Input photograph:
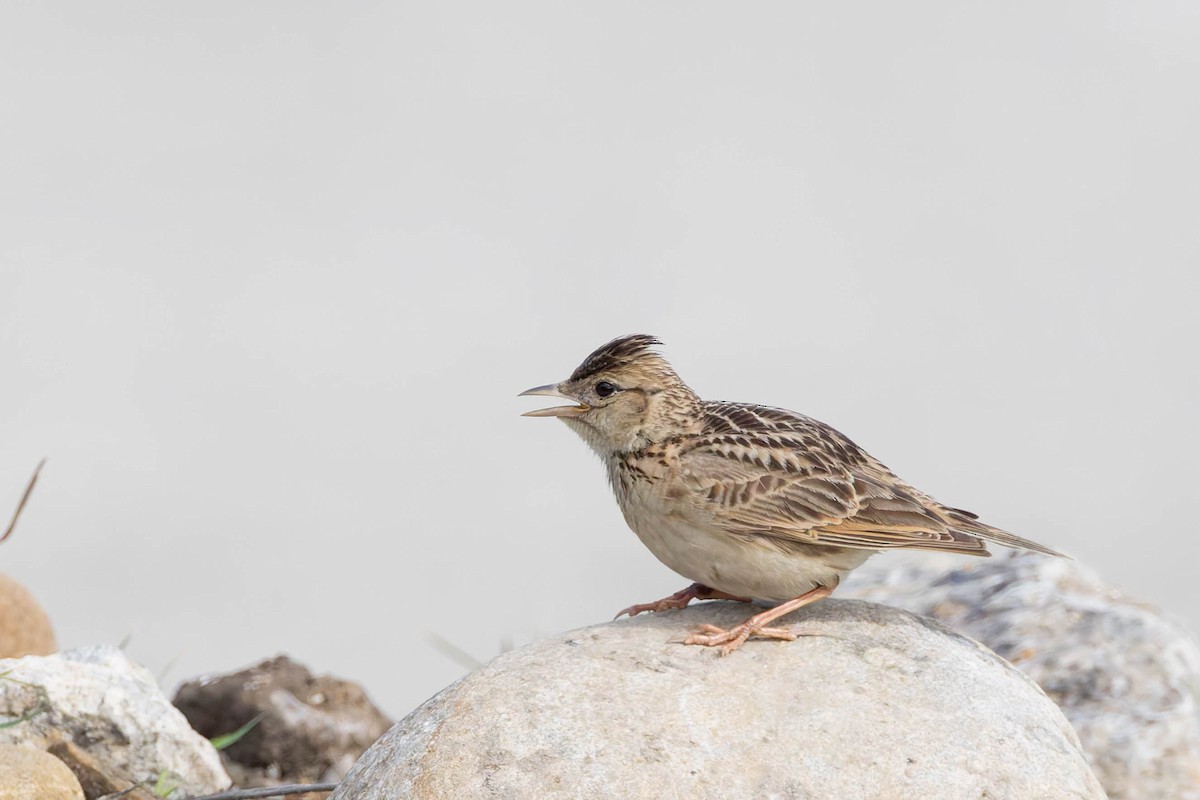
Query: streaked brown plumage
(748, 501)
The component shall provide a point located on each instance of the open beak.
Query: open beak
(551, 390)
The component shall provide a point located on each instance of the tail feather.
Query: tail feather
(970, 525)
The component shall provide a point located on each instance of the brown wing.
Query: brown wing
(773, 474)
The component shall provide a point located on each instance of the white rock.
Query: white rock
(111, 707)
(877, 704)
(1126, 677)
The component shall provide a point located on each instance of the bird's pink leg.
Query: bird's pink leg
(735, 637)
(697, 591)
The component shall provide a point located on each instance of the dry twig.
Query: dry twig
(24, 500)
(269, 791)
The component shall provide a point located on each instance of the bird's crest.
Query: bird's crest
(617, 353)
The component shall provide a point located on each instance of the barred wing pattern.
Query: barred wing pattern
(771, 474)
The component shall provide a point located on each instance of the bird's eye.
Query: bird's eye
(605, 389)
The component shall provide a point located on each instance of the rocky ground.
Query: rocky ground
(1084, 693)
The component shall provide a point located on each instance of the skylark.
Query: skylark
(747, 501)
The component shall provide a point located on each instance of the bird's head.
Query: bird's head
(628, 397)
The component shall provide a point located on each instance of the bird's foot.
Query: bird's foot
(758, 625)
(733, 638)
(697, 591)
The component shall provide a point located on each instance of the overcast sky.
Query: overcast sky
(272, 274)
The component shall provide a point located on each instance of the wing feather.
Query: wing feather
(773, 474)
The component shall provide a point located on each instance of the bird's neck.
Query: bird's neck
(670, 413)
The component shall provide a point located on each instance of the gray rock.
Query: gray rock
(111, 707)
(1126, 677)
(876, 703)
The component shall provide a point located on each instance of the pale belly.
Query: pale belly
(745, 568)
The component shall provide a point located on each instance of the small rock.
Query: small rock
(312, 727)
(93, 777)
(29, 774)
(24, 627)
(873, 703)
(1126, 677)
(112, 708)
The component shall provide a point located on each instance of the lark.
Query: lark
(749, 502)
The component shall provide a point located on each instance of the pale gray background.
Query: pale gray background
(272, 274)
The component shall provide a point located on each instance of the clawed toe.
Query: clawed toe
(680, 600)
(786, 634)
(661, 605)
(632, 611)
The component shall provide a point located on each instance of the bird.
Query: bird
(749, 502)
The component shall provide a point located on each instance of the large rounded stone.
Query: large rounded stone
(24, 627)
(28, 774)
(876, 703)
(1125, 675)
